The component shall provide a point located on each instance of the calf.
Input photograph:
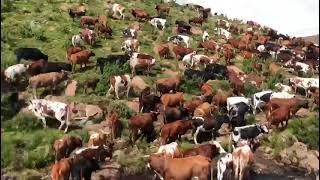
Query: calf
(118, 9)
(260, 99)
(119, 59)
(141, 63)
(117, 82)
(76, 40)
(104, 30)
(127, 33)
(51, 80)
(249, 132)
(205, 36)
(179, 39)
(203, 110)
(171, 149)
(81, 58)
(165, 85)
(97, 139)
(88, 36)
(143, 123)
(173, 131)
(242, 158)
(278, 116)
(15, 72)
(206, 91)
(228, 55)
(224, 166)
(158, 23)
(148, 102)
(29, 54)
(83, 168)
(62, 169)
(64, 146)
(98, 153)
(44, 108)
(114, 124)
(88, 20)
(140, 14)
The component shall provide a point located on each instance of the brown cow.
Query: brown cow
(180, 51)
(172, 99)
(278, 116)
(273, 68)
(143, 123)
(247, 54)
(294, 104)
(61, 169)
(242, 158)
(37, 67)
(180, 168)
(191, 105)
(72, 50)
(206, 89)
(140, 14)
(174, 130)
(207, 150)
(114, 124)
(209, 45)
(165, 85)
(81, 58)
(162, 8)
(162, 50)
(220, 99)
(234, 42)
(228, 55)
(88, 20)
(64, 146)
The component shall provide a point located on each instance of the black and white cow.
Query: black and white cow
(260, 99)
(249, 132)
(208, 125)
(158, 23)
(237, 113)
(127, 33)
(179, 39)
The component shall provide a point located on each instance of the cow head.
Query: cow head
(263, 128)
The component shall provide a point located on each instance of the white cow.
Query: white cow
(304, 83)
(43, 108)
(14, 71)
(131, 45)
(156, 22)
(118, 82)
(304, 67)
(237, 99)
(118, 9)
(205, 36)
(223, 32)
(282, 95)
(261, 48)
(171, 149)
(260, 99)
(223, 163)
(188, 59)
(76, 40)
(283, 88)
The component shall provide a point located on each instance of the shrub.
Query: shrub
(22, 122)
(306, 130)
(191, 86)
(279, 141)
(249, 89)
(272, 80)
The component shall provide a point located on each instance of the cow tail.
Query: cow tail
(211, 171)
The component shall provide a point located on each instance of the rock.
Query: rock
(134, 105)
(311, 163)
(303, 112)
(93, 111)
(110, 171)
(138, 85)
(120, 144)
(268, 150)
(71, 88)
(196, 31)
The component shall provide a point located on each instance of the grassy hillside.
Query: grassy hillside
(46, 25)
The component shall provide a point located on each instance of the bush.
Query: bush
(272, 80)
(279, 141)
(306, 130)
(191, 86)
(22, 122)
(7, 111)
(249, 89)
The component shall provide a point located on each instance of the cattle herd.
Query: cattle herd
(203, 115)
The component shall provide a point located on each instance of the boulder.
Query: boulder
(93, 111)
(303, 112)
(71, 88)
(109, 171)
(196, 31)
(138, 85)
(134, 105)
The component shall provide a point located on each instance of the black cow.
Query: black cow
(284, 55)
(172, 114)
(211, 72)
(29, 54)
(264, 55)
(271, 46)
(236, 114)
(183, 24)
(212, 125)
(57, 67)
(83, 168)
(111, 59)
(249, 132)
(221, 71)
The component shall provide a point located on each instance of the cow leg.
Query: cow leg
(196, 134)
(44, 122)
(61, 124)
(110, 89)
(35, 93)
(128, 90)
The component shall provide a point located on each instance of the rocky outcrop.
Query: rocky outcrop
(110, 171)
(71, 88)
(138, 85)
(134, 105)
(299, 155)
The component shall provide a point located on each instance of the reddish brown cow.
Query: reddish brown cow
(236, 83)
(191, 105)
(294, 104)
(263, 39)
(162, 50)
(278, 116)
(254, 79)
(37, 67)
(234, 42)
(142, 122)
(180, 51)
(247, 54)
(114, 123)
(64, 146)
(228, 55)
(72, 50)
(209, 45)
(257, 66)
(174, 130)
(140, 14)
(206, 89)
(207, 150)
(88, 20)
(172, 100)
(220, 99)
(165, 85)
(81, 57)
(61, 169)
(162, 8)
(273, 68)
